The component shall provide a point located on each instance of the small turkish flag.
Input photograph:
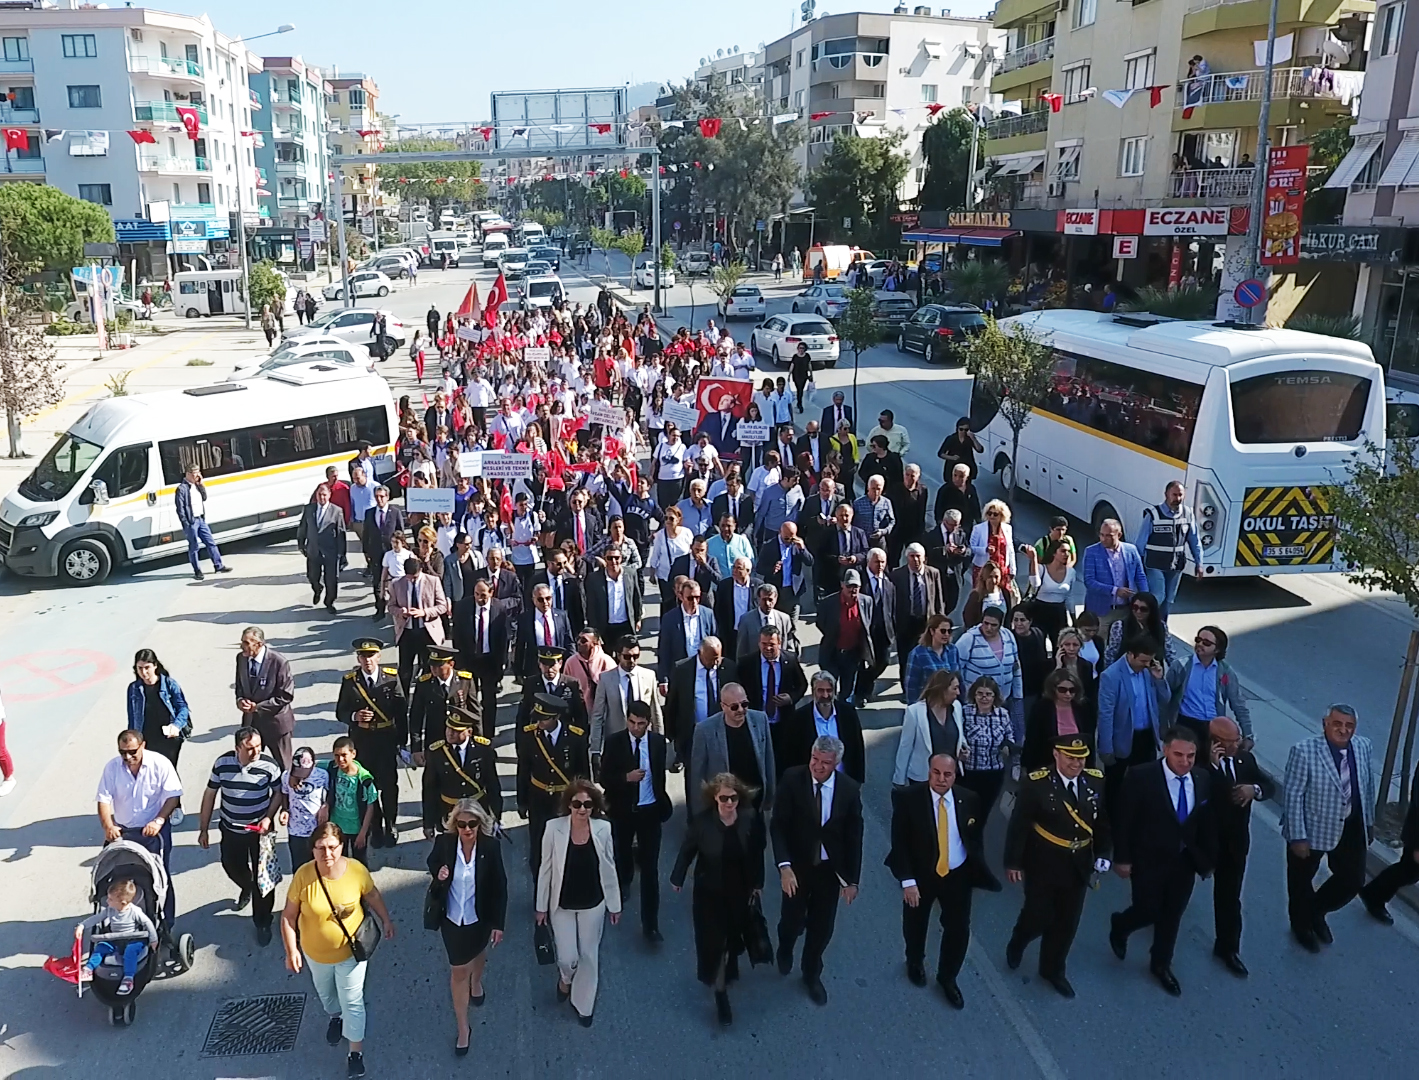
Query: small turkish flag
(497, 297)
(486, 132)
(16, 138)
(142, 136)
(709, 126)
(935, 108)
(190, 121)
(600, 129)
(624, 174)
(820, 115)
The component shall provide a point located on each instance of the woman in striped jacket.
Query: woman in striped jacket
(986, 652)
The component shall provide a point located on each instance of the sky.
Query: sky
(436, 61)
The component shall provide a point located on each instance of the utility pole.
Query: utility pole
(242, 253)
(345, 299)
(655, 221)
(1263, 153)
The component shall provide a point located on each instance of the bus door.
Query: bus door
(215, 304)
(131, 480)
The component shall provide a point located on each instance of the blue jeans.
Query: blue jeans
(103, 950)
(199, 533)
(1163, 584)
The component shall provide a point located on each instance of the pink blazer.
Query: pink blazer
(424, 592)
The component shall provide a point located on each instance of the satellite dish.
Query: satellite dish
(702, 61)
(736, 50)
(807, 6)
(719, 53)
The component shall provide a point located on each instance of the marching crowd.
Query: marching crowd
(1121, 755)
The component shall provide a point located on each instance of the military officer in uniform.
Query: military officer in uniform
(550, 680)
(1057, 838)
(372, 704)
(435, 692)
(461, 765)
(550, 752)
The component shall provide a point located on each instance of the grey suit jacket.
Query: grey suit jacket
(753, 621)
(1314, 809)
(710, 753)
(608, 710)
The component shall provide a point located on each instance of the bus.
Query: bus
(215, 292)
(1257, 423)
(103, 495)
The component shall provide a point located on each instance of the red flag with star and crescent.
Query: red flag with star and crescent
(497, 297)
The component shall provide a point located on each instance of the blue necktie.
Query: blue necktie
(1182, 799)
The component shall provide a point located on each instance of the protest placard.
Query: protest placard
(470, 463)
(429, 500)
(603, 412)
(532, 354)
(684, 417)
(752, 432)
(505, 466)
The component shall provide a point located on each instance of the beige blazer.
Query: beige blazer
(914, 745)
(429, 596)
(608, 712)
(554, 860)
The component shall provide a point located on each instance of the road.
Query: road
(64, 657)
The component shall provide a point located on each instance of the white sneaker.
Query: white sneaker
(6, 787)
(177, 817)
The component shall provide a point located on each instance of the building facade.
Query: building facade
(292, 122)
(352, 105)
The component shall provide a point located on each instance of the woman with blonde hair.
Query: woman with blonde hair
(994, 541)
(467, 904)
(576, 888)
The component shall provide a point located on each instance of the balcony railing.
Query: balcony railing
(166, 111)
(290, 168)
(168, 163)
(1204, 5)
(1017, 193)
(15, 67)
(1033, 53)
(1029, 123)
(189, 211)
(1293, 82)
(165, 65)
(1234, 184)
(11, 115)
(16, 164)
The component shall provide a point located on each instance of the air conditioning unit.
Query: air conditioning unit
(1055, 189)
(135, 33)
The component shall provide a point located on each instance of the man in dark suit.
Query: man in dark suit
(1405, 871)
(877, 586)
(264, 692)
(774, 681)
(614, 607)
(567, 593)
(784, 560)
(812, 443)
(845, 620)
(480, 633)
(919, 596)
(693, 697)
(836, 413)
(696, 564)
(581, 523)
(381, 522)
(817, 835)
(842, 548)
(507, 586)
(720, 427)
(948, 550)
(824, 714)
(633, 774)
(735, 501)
(1237, 782)
(1165, 836)
(815, 521)
(541, 627)
(937, 857)
(734, 597)
(682, 629)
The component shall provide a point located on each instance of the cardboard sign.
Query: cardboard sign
(499, 465)
(469, 333)
(470, 463)
(603, 412)
(750, 432)
(429, 500)
(684, 417)
(532, 354)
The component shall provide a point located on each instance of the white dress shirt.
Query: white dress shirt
(827, 788)
(482, 617)
(946, 804)
(1176, 782)
(616, 599)
(827, 725)
(136, 800)
(640, 749)
(462, 908)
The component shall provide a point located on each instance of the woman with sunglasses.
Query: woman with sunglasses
(1059, 710)
(993, 541)
(467, 904)
(934, 652)
(576, 888)
(1144, 620)
(726, 842)
(988, 742)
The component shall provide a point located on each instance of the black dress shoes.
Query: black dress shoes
(1167, 980)
(916, 973)
(1323, 931)
(785, 961)
(1306, 940)
(721, 1006)
(1377, 910)
(242, 900)
(816, 990)
(1233, 963)
(1061, 985)
(952, 992)
(1118, 941)
(652, 935)
(1014, 953)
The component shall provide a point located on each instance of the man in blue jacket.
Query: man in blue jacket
(1132, 696)
(191, 502)
(1113, 572)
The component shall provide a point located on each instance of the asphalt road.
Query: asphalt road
(63, 668)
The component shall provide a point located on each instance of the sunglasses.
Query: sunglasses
(467, 823)
(130, 753)
(1204, 641)
(1139, 607)
(737, 705)
(727, 798)
(1064, 690)
(581, 804)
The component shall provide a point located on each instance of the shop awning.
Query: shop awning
(1403, 167)
(1353, 164)
(977, 237)
(1019, 164)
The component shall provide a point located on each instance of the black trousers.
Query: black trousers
(1142, 752)
(1051, 913)
(636, 839)
(378, 751)
(323, 572)
(1199, 727)
(986, 783)
(413, 646)
(909, 631)
(812, 911)
(881, 649)
(614, 632)
(487, 672)
(1306, 904)
(160, 845)
(1160, 896)
(1050, 618)
(376, 573)
(953, 893)
(1391, 879)
(846, 665)
(1233, 844)
(241, 852)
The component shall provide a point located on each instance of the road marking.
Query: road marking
(1015, 1015)
(80, 395)
(42, 675)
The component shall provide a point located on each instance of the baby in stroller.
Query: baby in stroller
(121, 922)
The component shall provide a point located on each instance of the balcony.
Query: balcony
(1209, 16)
(1009, 13)
(1231, 99)
(16, 166)
(1034, 53)
(290, 168)
(1212, 185)
(168, 163)
(11, 115)
(1029, 123)
(166, 67)
(16, 67)
(193, 210)
(165, 112)
(1030, 63)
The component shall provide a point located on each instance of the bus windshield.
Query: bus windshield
(1300, 406)
(59, 470)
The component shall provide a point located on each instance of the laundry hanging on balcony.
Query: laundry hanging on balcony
(88, 143)
(1285, 46)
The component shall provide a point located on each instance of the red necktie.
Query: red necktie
(580, 535)
(547, 630)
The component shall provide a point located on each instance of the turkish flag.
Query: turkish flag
(497, 297)
(710, 393)
(190, 121)
(137, 136)
(600, 129)
(16, 138)
(819, 115)
(709, 126)
(935, 108)
(469, 309)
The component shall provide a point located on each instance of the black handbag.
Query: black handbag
(367, 935)
(756, 936)
(543, 944)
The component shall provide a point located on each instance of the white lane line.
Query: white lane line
(1015, 1015)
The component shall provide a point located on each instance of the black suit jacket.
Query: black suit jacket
(489, 878)
(884, 606)
(931, 590)
(507, 586)
(909, 508)
(598, 606)
(829, 423)
(768, 558)
(724, 606)
(375, 540)
(804, 445)
(830, 571)
(797, 833)
(465, 631)
(679, 709)
(573, 597)
(617, 760)
(1148, 835)
(796, 744)
(704, 846)
(792, 681)
(889, 467)
(706, 575)
(525, 659)
(671, 646)
(914, 851)
(809, 527)
(744, 520)
(1233, 821)
(595, 525)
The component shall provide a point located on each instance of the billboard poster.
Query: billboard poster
(1285, 199)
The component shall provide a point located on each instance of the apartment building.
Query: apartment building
(868, 73)
(1118, 113)
(739, 75)
(80, 79)
(352, 106)
(293, 161)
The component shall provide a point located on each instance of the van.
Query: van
(531, 233)
(213, 292)
(835, 257)
(494, 244)
(103, 494)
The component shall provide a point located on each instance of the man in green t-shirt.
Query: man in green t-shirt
(352, 799)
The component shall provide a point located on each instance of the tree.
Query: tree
(548, 219)
(946, 146)
(267, 286)
(1328, 148)
(1013, 370)
(858, 328)
(29, 378)
(857, 184)
(724, 277)
(977, 282)
(667, 256)
(45, 229)
(630, 244)
(1183, 302)
(437, 181)
(605, 240)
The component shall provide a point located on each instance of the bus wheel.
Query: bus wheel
(1006, 469)
(1102, 513)
(84, 562)
(191, 313)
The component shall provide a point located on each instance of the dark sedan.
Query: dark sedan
(937, 330)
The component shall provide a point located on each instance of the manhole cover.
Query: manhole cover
(255, 1025)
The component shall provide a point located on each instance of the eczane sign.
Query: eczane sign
(1081, 222)
(1185, 221)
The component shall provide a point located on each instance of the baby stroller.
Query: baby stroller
(125, 859)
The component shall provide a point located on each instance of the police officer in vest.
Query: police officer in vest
(1167, 537)
(371, 704)
(550, 751)
(461, 765)
(435, 692)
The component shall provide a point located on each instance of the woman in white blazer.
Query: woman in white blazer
(938, 705)
(993, 541)
(576, 887)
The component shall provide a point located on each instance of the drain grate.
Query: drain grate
(255, 1025)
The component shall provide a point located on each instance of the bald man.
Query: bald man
(1238, 782)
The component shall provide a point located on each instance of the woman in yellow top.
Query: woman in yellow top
(844, 444)
(339, 980)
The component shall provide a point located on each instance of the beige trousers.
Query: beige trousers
(578, 938)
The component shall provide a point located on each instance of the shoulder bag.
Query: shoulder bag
(367, 935)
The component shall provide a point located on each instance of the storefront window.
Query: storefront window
(1396, 335)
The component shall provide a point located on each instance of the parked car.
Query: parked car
(891, 309)
(746, 301)
(348, 324)
(829, 301)
(77, 311)
(779, 337)
(936, 331)
(877, 271)
(324, 348)
(643, 276)
(694, 262)
(392, 266)
(362, 283)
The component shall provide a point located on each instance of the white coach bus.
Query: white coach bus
(103, 494)
(1256, 422)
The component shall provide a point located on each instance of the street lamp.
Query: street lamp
(284, 28)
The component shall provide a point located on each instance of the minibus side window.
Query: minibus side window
(1144, 408)
(219, 454)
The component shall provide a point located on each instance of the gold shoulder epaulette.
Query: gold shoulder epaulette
(465, 674)
(530, 727)
(349, 675)
(576, 730)
(391, 671)
(1039, 774)
(426, 676)
(1095, 772)
(482, 741)
(437, 744)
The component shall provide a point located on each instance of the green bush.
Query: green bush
(1341, 326)
(1184, 302)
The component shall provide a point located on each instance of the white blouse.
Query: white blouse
(462, 909)
(1055, 592)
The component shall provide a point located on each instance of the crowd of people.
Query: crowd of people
(1121, 753)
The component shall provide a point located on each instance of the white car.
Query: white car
(362, 283)
(324, 348)
(829, 301)
(643, 277)
(351, 325)
(540, 291)
(779, 337)
(696, 262)
(746, 301)
(77, 311)
(512, 263)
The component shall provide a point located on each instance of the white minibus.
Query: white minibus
(1258, 423)
(103, 494)
(214, 292)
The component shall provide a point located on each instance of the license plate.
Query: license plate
(1284, 551)
(743, 311)
(812, 346)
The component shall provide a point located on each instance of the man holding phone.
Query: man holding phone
(1132, 696)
